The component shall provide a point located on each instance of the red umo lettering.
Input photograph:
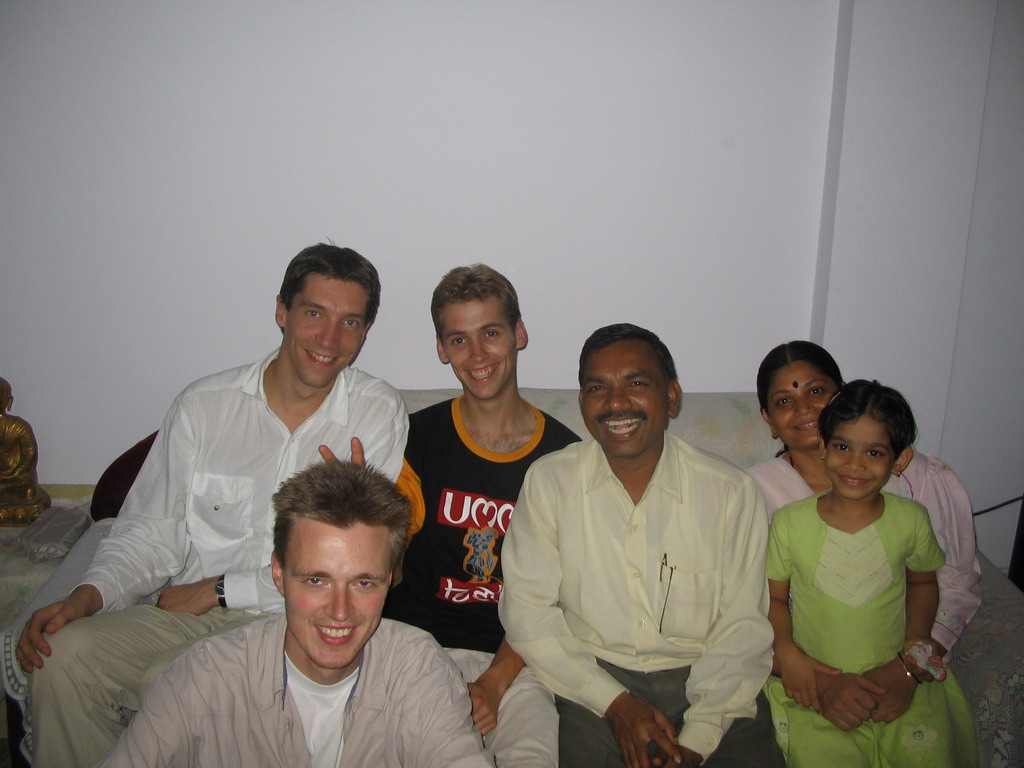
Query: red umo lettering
(467, 510)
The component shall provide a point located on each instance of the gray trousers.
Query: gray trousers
(585, 740)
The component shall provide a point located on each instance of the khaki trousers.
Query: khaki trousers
(101, 665)
(526, 735)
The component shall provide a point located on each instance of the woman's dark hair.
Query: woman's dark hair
(794, 352)
(884, 404)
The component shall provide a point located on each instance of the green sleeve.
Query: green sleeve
(778, 566)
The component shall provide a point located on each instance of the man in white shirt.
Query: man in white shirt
(197, 522)
(348, 690)
(635, 579)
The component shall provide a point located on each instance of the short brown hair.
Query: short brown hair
(474, 283)
(343, 495)
(337, 264)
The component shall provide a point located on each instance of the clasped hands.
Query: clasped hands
(846, 699)
(635, 724)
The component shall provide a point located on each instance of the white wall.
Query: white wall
(926, 267)
(914, 103)
(985, 412)
(658, 162)
(166, 160)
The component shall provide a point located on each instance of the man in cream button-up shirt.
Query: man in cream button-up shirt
(664, 668)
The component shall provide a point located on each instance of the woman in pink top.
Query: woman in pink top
(794, 382)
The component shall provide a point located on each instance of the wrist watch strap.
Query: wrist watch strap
(219, 589)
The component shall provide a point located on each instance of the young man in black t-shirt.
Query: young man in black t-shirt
(468, 457)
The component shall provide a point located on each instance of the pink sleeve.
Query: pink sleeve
(935, 485)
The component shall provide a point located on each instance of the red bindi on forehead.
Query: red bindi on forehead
(796, 385)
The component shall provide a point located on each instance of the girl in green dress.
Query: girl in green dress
(851, 574)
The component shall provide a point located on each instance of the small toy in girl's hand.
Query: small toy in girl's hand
(922, 654)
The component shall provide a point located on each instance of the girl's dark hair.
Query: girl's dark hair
(794, 352)
(884, 404)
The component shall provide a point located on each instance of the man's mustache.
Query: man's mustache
(607, 415)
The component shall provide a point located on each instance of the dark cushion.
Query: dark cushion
(115, 482)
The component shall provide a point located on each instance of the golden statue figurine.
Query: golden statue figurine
(21, 498)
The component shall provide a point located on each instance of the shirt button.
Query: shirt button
(636, 575)
(643, 623)
(216, 507)
(633, 528)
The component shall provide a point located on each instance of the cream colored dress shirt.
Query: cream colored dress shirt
(676, 580)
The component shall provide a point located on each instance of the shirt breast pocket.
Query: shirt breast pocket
(690, 606)
(221, 505)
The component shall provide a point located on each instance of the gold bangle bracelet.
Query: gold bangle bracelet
(906, 669)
